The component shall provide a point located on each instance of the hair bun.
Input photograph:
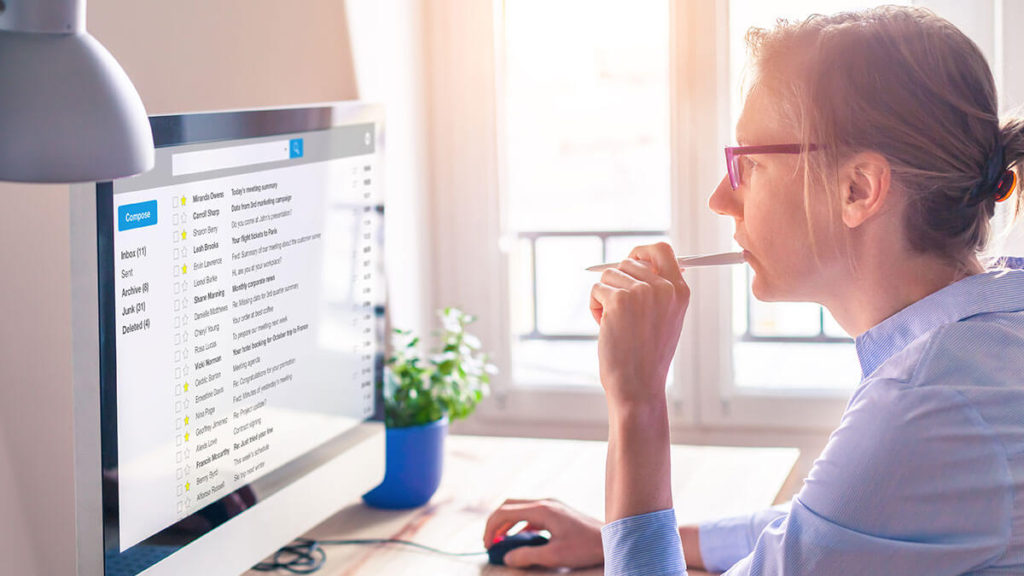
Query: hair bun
(997, 181)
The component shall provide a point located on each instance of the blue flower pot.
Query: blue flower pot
(413, 459)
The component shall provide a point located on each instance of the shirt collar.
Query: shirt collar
(1001, 289)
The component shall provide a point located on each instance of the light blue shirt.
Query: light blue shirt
(923, 476)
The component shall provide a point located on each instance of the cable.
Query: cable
(300, 557)
(307, 556)
(397, 541)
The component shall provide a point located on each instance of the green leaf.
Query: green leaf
(419, 389)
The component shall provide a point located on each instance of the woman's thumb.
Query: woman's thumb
(528, 556)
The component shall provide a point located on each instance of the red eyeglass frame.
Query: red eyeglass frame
(732, 153)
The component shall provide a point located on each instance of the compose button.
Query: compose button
(136, 215)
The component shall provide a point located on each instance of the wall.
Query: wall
(186, 55)
(35, 355)
(195, 55)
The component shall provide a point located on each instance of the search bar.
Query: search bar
(235, 156)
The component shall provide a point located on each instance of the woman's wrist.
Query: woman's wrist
(643, 413)
(689, 535)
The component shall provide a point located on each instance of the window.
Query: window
(586, 126)
(565, 132)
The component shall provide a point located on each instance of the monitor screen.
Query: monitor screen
(240, 317)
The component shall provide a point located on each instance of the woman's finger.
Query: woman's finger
(600, 295)
(547, 555)
(618, 279)
(507, 516)
(603, 293)
(663, 259)
(642, 271)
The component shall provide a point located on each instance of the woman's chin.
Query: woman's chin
(763, 290)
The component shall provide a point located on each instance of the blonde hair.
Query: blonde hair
(907, 84)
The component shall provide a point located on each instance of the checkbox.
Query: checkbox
(179, 455)
(177, 305)
(181, 473)
(177, 355)
(177, 407)
(177, 339)
(177, 390)
(181, 489)
(176, 235)
(181, 507)
(179, 440)
(177, 423)
(177, 271)
(177, 372)
(177, 288)
(177, 321)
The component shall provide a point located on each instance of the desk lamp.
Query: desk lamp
(68, 112)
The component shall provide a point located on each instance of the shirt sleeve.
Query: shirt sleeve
(913, 482)
(643, 545)
(726, 541)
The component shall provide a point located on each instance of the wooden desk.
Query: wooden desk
(481, 472)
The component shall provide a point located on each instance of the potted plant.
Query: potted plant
(422, 393)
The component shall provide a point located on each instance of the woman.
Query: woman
(871, 142)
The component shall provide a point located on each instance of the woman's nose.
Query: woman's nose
(724, 200)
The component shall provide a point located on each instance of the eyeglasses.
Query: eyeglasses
(735, 167)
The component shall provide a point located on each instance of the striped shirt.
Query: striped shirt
(923, 476)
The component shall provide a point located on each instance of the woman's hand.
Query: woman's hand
(575, 537)
(640, 308)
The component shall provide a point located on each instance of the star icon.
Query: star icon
(182, 234)
(186, 436)
(188, 485)
(186, 417)
(182, 200)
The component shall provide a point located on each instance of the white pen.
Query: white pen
(723, 259)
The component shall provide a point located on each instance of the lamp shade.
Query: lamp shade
(68, 112)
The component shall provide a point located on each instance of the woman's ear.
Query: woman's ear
(864, 184)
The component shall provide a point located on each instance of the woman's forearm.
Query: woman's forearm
(638, 472)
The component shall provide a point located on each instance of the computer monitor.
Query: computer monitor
(240, 336)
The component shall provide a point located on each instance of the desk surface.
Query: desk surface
(481, 472)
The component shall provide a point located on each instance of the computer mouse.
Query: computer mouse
(496, 553)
